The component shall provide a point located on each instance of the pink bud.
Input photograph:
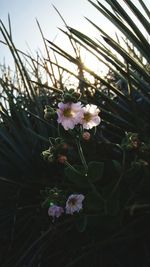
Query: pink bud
(86, 136)
(62, 158)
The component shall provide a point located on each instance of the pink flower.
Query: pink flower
(74, 203)
(69, 114)
(90, 116)
(55, 211)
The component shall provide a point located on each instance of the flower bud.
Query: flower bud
(49, 113)
(65, 146)
(61, 159)
(86, 136)
(71, 96)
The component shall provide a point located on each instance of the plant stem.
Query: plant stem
(121, 175)
(81, 155)
(71, 167)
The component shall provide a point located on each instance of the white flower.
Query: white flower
(74, 203)
(90, 116)
(69, 114)
(55, 211)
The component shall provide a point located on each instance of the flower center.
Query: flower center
(87, 116)
(68, 113)
(72, 202)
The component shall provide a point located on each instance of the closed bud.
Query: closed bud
(61, 159)
(49, 113)
(86, 136)
(71, 96)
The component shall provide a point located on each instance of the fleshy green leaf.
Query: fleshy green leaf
(76, 175)
(95, 171)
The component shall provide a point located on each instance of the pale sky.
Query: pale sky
(25, 31)
(24, 12)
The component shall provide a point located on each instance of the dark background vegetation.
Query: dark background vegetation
(120, 238)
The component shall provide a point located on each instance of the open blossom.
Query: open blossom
(69, 114)
(55, 211)
(90, 116)
(74, 203)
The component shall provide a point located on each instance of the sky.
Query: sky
(23, 14)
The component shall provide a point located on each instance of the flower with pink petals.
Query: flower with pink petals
(90, 116)
(74, 203)
(69, 114)
(55, 211)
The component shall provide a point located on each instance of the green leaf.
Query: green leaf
(117, 165)
(94, 203)
(95, 171)
(113, 204)
(76, 175)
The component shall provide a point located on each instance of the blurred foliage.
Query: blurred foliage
(120, 236)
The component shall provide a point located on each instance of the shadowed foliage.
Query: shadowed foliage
(120, 237)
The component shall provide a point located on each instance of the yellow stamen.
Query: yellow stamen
(87, 116)
(72, 201)
(68, 113)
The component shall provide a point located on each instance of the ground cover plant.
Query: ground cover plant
(74, 158)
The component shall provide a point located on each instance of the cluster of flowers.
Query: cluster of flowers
(73, 204)
(71, 114)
